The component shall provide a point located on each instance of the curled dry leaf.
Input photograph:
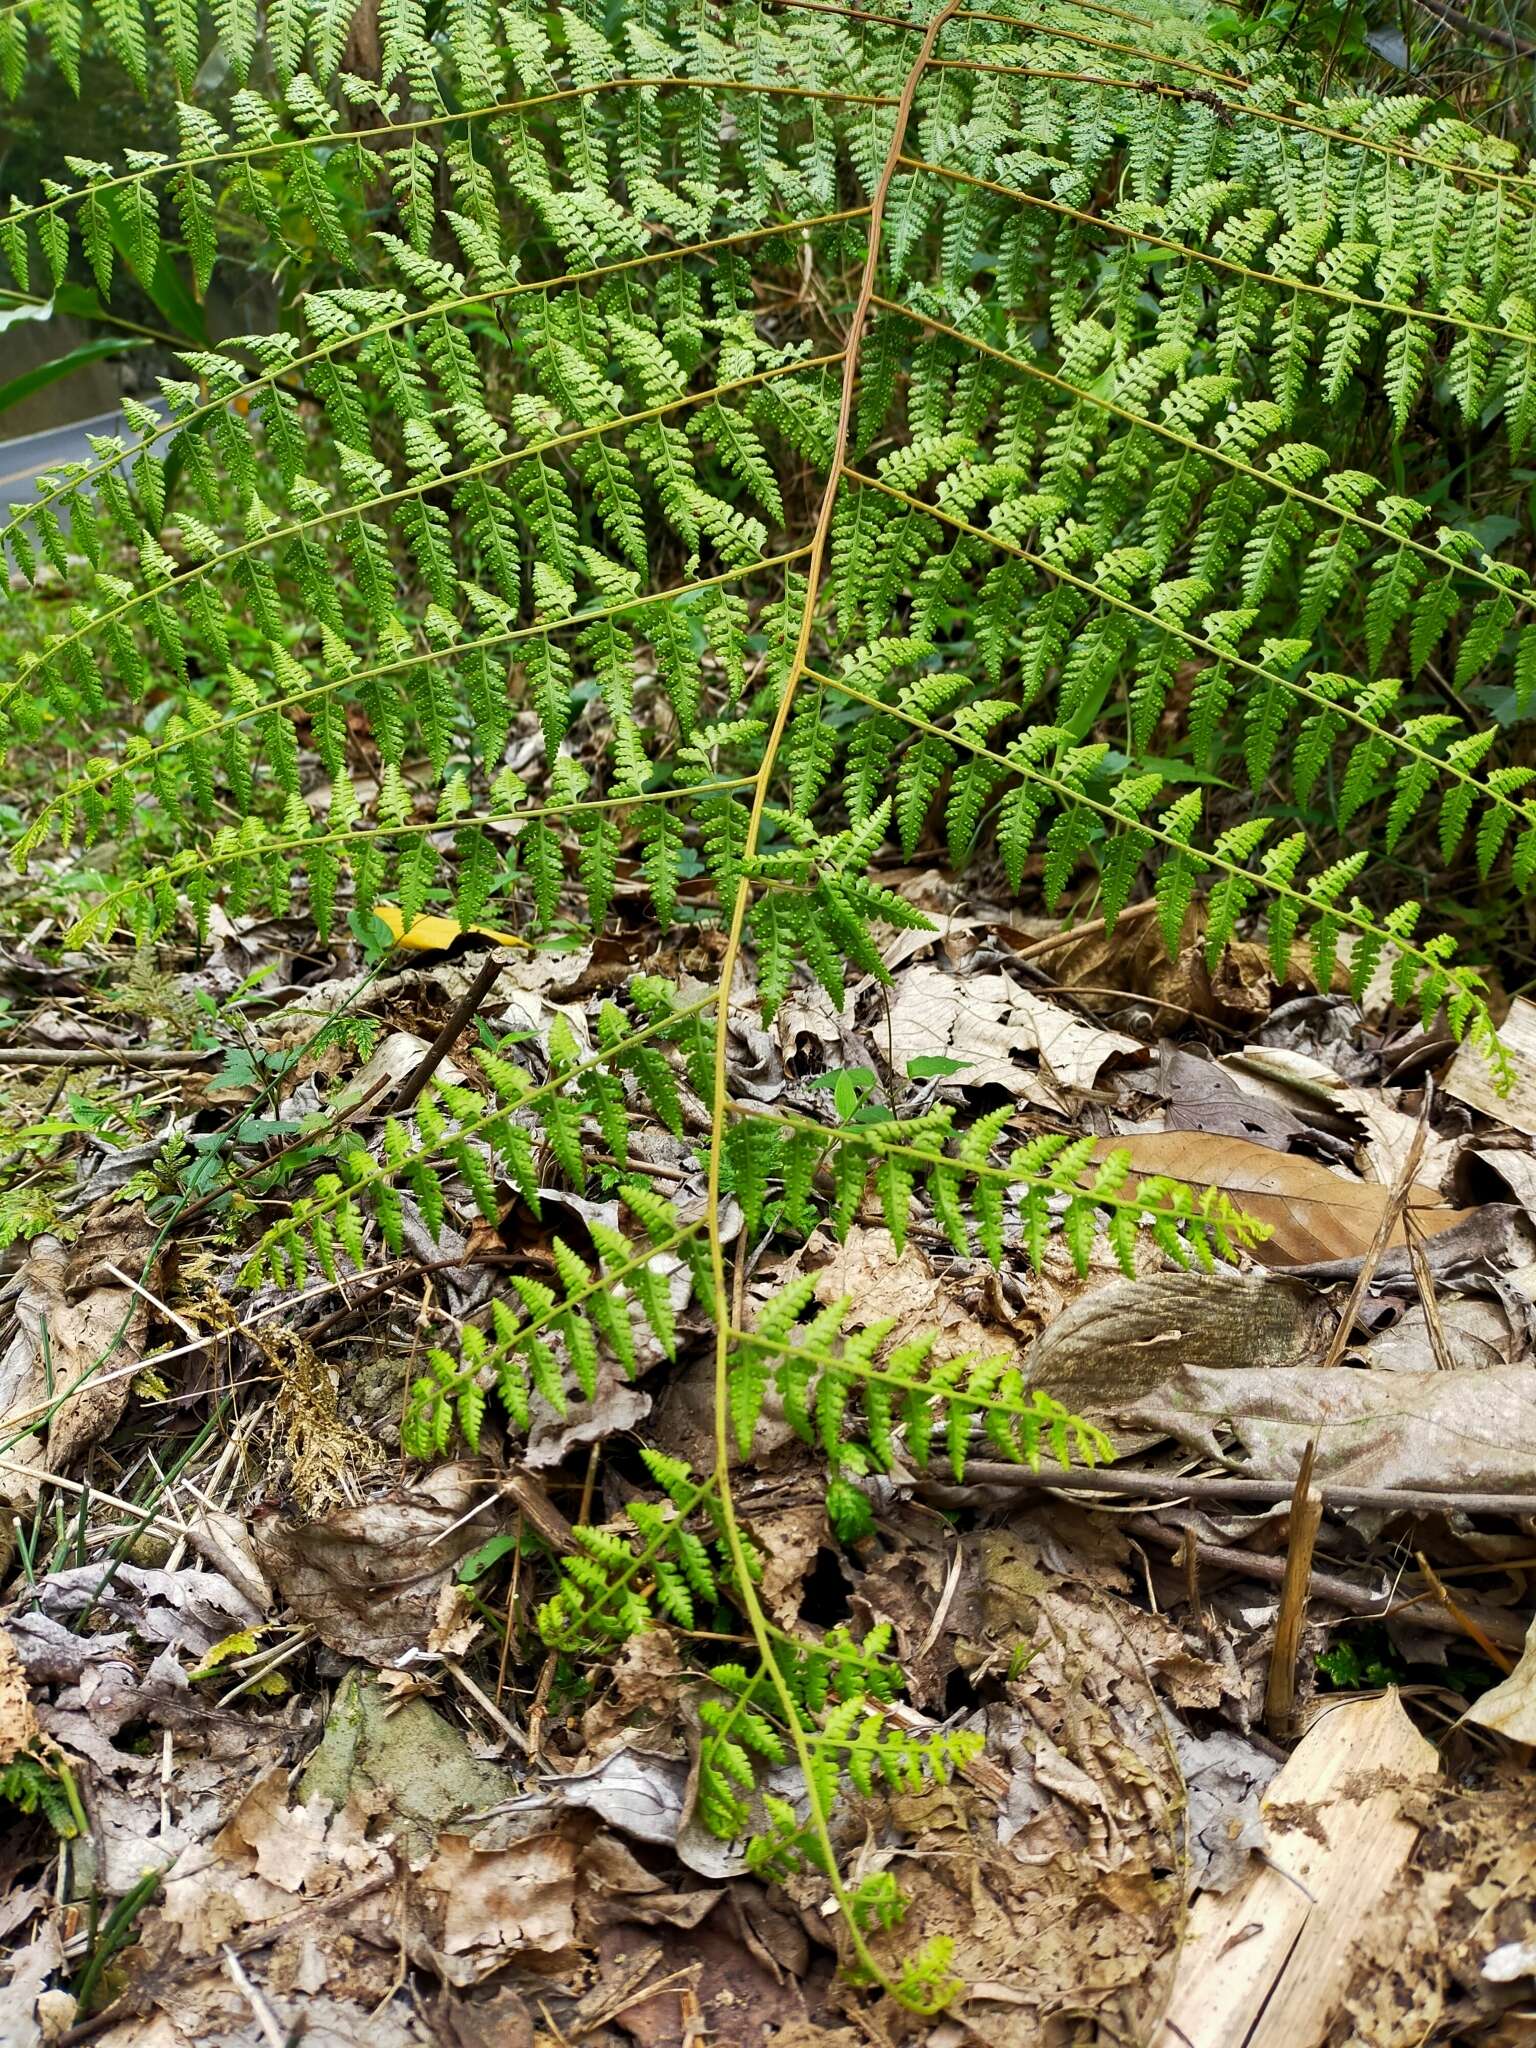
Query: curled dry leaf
(986, 1021)
(395, 1059)
(1275, 1073)
(223, 1541)
(18, 1719)
(1509, 1708)
(494, 1904)
(1124, 1340)
(1436, 1431)
(1471, 1082)
(640, 1794)
(367, 1578)
(67, 1369)
(188, 1609)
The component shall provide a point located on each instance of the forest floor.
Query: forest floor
(1256, 1702)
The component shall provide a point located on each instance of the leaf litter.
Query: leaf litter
(287, 1750)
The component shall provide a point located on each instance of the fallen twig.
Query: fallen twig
(105, 1056)
(984, 1476)
(1462, 1619)
(1498, 38)
(1068, 934)
(1306, 1515)
(444, 1042)
(1325, 1585)
(1392, 1213)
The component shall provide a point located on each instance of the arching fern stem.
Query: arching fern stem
(719, 1109)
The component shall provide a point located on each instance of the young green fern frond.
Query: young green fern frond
(819, 1368)
(479, 1137)
(541, 1340)
(663, 1564)
(1049, 1185)
(837, 1691)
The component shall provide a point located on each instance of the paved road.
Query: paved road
(23, 460)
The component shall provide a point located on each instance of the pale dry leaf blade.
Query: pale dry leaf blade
(1313, 1213)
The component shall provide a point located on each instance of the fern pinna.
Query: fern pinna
(702, 451)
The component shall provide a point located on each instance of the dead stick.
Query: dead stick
(105, 1056)
(983, 1476)
(1306, 1515)
(1463, 1620)
(1395, 1208)
(1424, 1280)
(1038, 948)
(1498, 38)
(443, 1044)
(1326, 1585)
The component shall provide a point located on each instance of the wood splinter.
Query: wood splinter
(1306, 1515)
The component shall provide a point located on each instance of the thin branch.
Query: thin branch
(1497, 38)
(989, 1475)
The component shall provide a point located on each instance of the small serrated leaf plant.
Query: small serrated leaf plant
(715, 451)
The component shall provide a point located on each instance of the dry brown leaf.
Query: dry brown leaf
(1067, 1901)
(71, 1356)
(367, 1578)
(1468, 1431)
(267, 1856)
(1509, 1708)
(1275, 1073)
(1470, 1081)
(1313, 1213)
(499, 1903)
(987, 1020)
(1114, 968)
(18, 1720)
(455, 1624)
(1124, 1340)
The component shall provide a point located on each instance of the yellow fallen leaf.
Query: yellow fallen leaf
(437, 934)
(243, 1643)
